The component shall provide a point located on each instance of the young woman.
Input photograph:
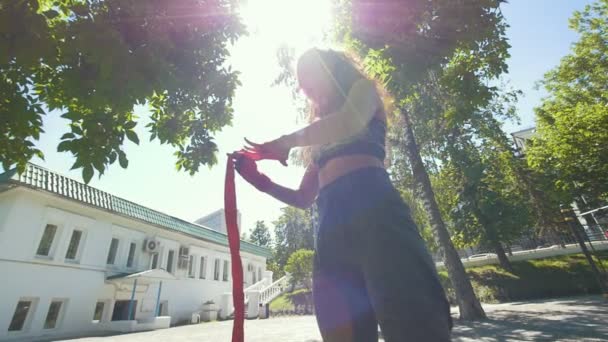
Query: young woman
(371, 265)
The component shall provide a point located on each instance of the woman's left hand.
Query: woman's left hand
(277, 149)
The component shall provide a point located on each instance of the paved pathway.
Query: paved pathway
(572, 319)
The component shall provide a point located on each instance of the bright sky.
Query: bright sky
(539, 35)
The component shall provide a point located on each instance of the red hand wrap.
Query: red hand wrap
(248, 169)
(256, 155)
(230, 210)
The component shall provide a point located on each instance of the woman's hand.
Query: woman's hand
(247, 168)
(277, 149)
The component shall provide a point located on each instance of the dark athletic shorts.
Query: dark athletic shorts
(371, 266)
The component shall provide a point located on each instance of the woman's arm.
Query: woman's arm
(304, 196)
(361, 104)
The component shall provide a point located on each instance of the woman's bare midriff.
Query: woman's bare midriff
(340, 166)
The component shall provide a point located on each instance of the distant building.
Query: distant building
(592, 221)
(75, 261)
(217, 221)
(521, 137)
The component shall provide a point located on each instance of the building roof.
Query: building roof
(39, 178)
(525, 133)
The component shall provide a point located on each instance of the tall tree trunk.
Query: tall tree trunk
(494, 240)
(468, 304)
(542, 213)
(509, 249)
(581, 242)
(502, 256)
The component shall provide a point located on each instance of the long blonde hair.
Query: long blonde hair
(345, 69)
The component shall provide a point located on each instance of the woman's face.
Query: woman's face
(314, 78)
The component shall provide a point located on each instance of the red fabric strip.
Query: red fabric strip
(238, 298)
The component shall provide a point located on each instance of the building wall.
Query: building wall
(217, 221)
(24, 213)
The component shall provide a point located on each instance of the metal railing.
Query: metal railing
(274, 290)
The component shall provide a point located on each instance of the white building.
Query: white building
(521, 137)
(217, 221)
(75, 260)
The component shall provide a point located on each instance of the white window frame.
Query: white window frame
(202, 267)
(158, 260)
(192, 266)
(104, 312)
(80, 247)
(54, 242)
(28, 318)
(116, 260)
(226, 270)
(135, 255)
(216, 269)
(59, 321)
(173, 262)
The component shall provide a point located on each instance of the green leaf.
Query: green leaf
(78, 164)
(64, 146)
(68, 136)
(132, 136)
(99, 166)
(50, 14)
(112, 157)
(122, 159)
(87, 173)
(130, 125)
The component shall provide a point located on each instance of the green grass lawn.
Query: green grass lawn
(565, 275)
(282, 303)
(286, 301)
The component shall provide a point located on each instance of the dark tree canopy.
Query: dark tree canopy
(93, 61)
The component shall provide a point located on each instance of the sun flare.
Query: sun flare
(298, 24)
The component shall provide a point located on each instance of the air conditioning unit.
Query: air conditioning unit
(151, 245)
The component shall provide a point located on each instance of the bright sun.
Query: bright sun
(297, 23)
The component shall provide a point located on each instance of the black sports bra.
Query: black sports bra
(369, 141)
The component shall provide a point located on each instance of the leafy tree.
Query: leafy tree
(572, 122)
(299, 266)
(491, 208)
(260, 235)
(409, 44)
(93, 61)
(293, 231)
(277, 271)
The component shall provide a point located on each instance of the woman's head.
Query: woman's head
(326, 76)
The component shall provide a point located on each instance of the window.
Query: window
(52, 315)
(225, 274)
(72, 251)
(202, 268)
(216, 270)
(46, 242)
(259, 273)
(191, 267)
(163, 308)
(170, 261)
(131, 256)
(121, 310)
(21, 314)
(98, 313)
(154, 261)
(112, 251)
